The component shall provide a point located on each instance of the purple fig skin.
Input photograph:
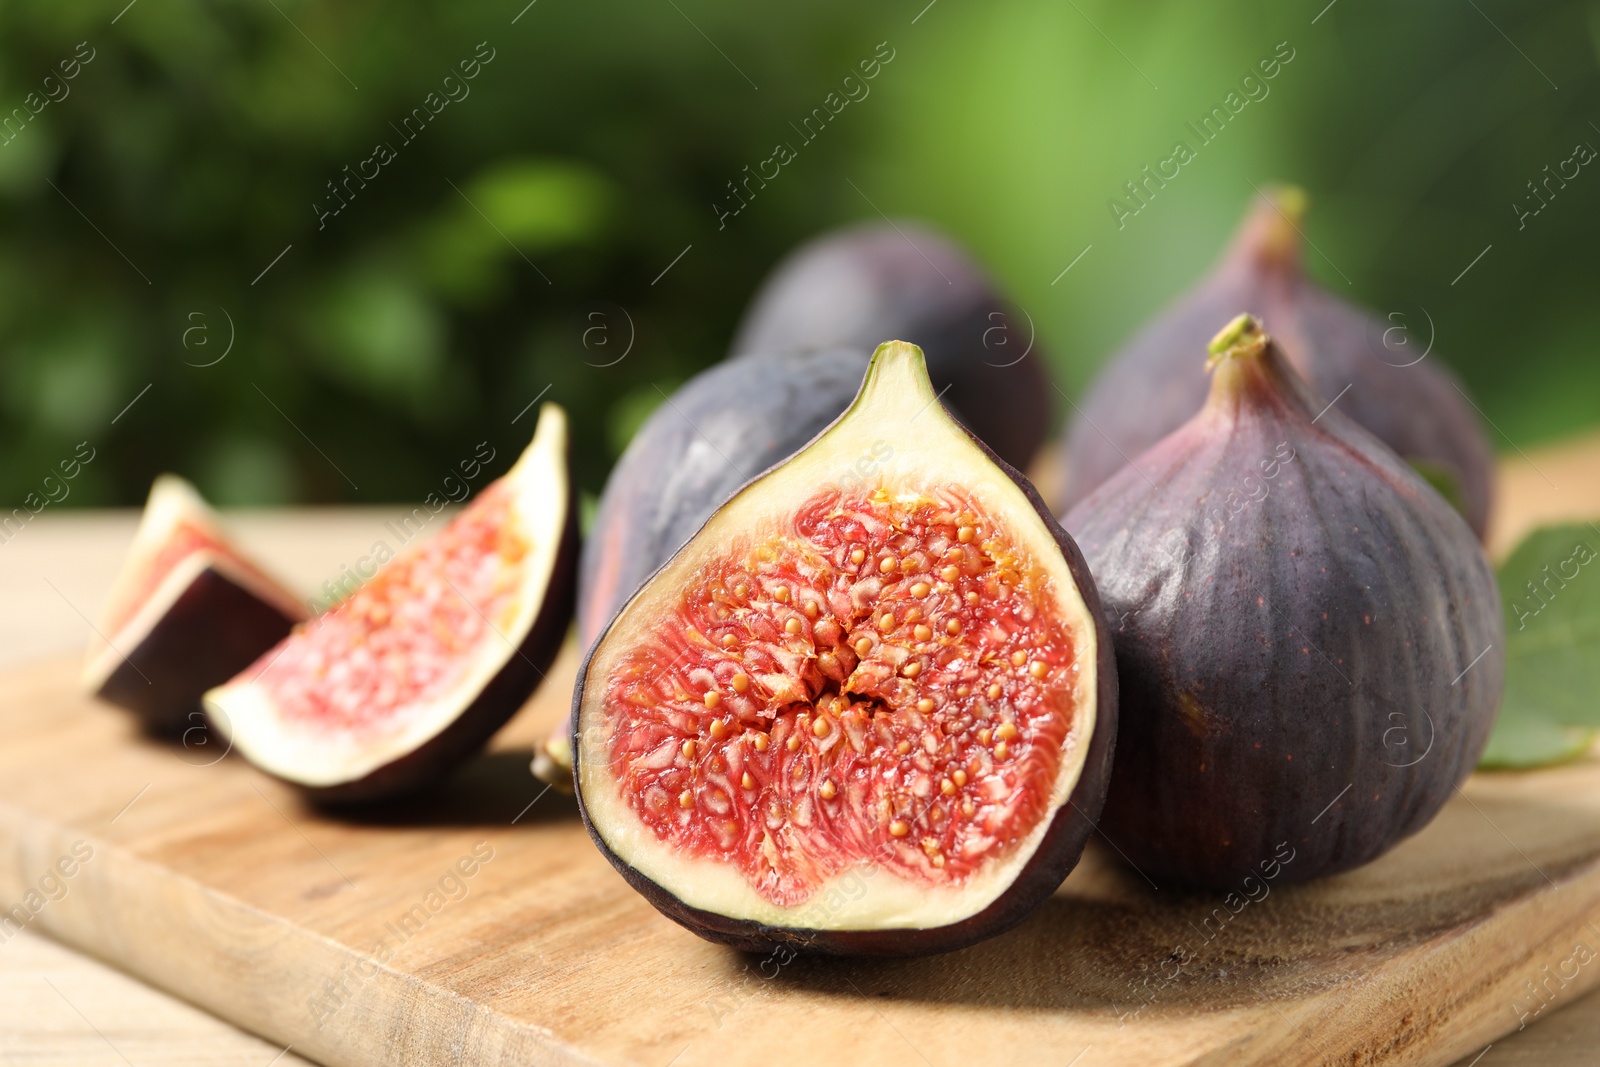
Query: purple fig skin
(213, 630)
(1308, 637)
(1154, 384)
(855, 286)
(1058, 853)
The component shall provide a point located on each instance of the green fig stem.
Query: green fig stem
(1243, 326)
(1292, 201)
(1237, 353)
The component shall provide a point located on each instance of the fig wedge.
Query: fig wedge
(415, 671)
(188, 611)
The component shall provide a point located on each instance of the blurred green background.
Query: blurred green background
(517, 245)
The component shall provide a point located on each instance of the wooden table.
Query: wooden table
(58, 1006)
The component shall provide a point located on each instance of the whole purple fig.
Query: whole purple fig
(1372, 366)
(1308, 637)
(858, 285)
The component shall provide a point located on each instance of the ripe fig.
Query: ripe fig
(861, 711)
(1308, 637)
(416, 670)
(855, 286)
(1373, 367)
(188, 611)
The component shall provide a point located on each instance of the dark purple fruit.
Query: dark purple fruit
(412, 673)
(863, 710)
(189, 610)
(853, 287)
(1309, 640)
(1373, 366)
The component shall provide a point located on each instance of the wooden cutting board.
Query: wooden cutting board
(217, 884)
(478, 925)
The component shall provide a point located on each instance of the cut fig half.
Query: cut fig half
(867, 709)
(188, 611)
(417, 669)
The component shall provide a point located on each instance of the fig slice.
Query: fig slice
(416, 670)
(867, 709)
(188, 611)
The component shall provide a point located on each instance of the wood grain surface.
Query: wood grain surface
(368, 941)
(62, 1009)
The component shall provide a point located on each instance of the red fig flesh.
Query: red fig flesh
(898, 683)
(416, 670)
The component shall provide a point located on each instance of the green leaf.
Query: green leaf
(539, 204)
(1550, 591)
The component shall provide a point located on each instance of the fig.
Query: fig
(188, 611)
(1308, 637)
(855, 286)
(415, 671)
(862, 710)
(1371, 368)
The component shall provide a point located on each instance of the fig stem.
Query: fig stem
(1237, 351)
(1293, 201)
(1244, 331)
(1279, 239)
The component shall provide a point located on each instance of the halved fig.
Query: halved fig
(418, 668)
(867, 709)
(189, 610)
